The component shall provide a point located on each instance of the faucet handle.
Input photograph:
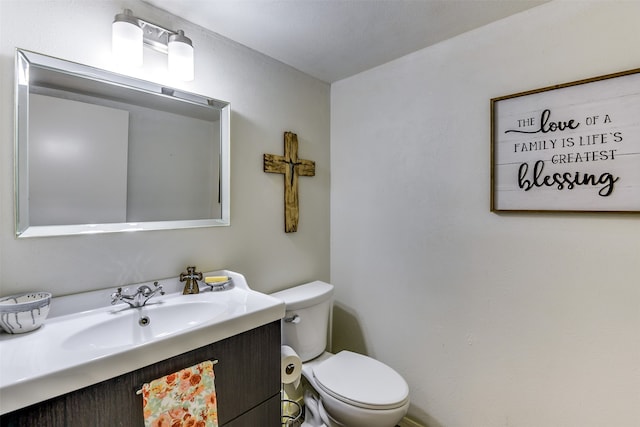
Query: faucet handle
(116, 296)
(158, 288)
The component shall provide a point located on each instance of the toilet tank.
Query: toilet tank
(305, 326)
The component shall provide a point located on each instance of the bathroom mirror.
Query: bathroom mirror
(101, 152)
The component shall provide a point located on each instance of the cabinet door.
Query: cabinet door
(248, 371)
(49, 413)
(265, 415)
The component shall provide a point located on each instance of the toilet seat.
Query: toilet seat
(361, 381)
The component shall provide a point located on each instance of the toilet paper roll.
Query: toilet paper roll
(290, 366)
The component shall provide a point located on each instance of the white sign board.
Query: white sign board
(570, 148)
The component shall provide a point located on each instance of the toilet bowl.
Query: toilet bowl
(353, 390)
(356, 390)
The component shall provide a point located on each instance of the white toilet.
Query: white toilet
(354, 390)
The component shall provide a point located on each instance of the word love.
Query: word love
(568, 180)
(546, 125)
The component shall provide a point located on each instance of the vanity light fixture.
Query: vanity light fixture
(130, 34)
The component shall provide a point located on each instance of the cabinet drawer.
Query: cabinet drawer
(265, 415)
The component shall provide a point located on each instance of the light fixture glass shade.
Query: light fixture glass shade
(180, 60)
(126, 40)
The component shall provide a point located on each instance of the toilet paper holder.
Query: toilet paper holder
(291, 413)
(290, 368)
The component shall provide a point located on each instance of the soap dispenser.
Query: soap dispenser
(190, 277)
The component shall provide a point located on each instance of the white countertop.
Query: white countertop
(38, 365)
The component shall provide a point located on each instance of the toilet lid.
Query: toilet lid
(361, 381)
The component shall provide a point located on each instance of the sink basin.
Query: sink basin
(134, 326)
(88, 340)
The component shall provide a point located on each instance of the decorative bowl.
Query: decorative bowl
(24, 312)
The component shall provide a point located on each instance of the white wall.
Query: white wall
(495, 320)
(267, 98)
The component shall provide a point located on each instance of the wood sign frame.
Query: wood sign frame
(573, 147)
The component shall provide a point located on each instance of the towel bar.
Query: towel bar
(215, 362)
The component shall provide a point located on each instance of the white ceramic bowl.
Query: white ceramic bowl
(24, 312)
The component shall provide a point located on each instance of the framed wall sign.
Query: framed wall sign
(573, 147)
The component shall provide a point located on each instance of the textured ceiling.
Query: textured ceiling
(334, 39)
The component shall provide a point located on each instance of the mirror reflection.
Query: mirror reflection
(101, 152)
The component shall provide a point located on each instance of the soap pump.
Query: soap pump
(190, 278)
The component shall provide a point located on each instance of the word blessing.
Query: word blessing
(535, 177)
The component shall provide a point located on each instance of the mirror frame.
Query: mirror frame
(26, 59)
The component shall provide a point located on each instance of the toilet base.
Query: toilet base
(340, 414)
(343, 415)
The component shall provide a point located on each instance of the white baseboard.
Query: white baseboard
(407, 422)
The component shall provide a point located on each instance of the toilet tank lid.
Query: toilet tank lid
(306, 295)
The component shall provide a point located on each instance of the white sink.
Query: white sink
(129, 327)
(85, 343)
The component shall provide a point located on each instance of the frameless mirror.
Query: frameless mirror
(99, 152)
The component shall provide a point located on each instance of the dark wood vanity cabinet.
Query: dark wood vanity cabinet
(247, 387)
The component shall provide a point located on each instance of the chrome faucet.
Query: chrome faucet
(143, 294)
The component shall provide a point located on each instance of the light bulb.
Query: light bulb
(126, 40)
(180, 61)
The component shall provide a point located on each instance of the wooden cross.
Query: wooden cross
(291, 167)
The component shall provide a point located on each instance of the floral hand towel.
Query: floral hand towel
(185, 398)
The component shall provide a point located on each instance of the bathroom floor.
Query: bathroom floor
(297, 422)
